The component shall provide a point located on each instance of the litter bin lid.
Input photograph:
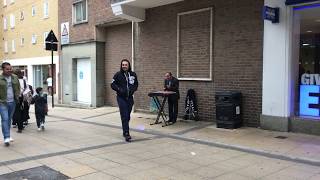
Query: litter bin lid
(228, 93)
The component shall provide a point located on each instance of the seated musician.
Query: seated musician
(172, 84)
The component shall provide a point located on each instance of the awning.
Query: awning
(292, 2)
(134, 10)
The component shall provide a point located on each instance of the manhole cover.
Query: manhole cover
(37, 173)
(281, 137)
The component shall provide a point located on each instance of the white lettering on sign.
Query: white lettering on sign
(271, 13)
(310, 79)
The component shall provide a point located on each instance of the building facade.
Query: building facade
(25, 25)
(209, 45)
(291, 65)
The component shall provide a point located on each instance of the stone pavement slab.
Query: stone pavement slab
(37, 173)
(88, 144)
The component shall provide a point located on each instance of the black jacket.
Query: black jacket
(125, 83)
(40, 104)
(172, 85)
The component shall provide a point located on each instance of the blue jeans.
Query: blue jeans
(6, 111)
(125, 106)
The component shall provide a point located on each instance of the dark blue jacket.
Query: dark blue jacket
(125, 83)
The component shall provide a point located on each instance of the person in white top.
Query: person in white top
(49, 83)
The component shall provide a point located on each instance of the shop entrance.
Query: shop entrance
(306, 49)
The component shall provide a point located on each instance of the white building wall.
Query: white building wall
(277, 63)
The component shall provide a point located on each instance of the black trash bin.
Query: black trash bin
(228, 109)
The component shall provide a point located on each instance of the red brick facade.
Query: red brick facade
(237, 51)
(118, 47)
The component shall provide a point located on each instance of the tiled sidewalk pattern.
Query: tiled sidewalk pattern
(87, 144)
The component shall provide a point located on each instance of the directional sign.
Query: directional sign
(51, 42)
(53, 46)
(51, 37)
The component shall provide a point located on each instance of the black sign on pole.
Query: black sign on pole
(52, 45)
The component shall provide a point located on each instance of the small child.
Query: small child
(40, 106)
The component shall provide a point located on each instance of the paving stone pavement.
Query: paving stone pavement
(88, 144)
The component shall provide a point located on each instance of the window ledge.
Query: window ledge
(78, 23)
(194, 79)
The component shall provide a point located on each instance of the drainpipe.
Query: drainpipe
(133, 52)
(132, 44)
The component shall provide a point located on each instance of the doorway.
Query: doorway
(84, 80)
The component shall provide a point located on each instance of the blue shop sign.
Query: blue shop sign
(271, 14)
(310, 95)
(292, 2)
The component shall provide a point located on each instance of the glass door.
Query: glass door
(37, 76)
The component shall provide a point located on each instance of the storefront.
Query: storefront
(37, 70)
(291, 71)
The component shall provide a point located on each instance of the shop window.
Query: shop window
(80, 11)
(194, 45)
(306, 53)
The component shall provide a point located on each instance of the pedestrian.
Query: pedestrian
(21, 113)
(9, 96)
(40, 104)
(172, 84)
(125, 83)
(49, 84)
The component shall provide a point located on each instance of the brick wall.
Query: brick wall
(237, 54)
(237, 50)
(118, 47)
(99, 12)
(194, 44)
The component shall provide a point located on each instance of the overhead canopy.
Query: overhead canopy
(292, 2)
(134, 10)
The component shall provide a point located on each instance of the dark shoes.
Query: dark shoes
(127, 137)
(19, 131)
(171, 122)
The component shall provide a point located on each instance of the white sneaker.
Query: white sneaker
(11, 139)
(42, 126)
(39, 129)
(7, 141)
